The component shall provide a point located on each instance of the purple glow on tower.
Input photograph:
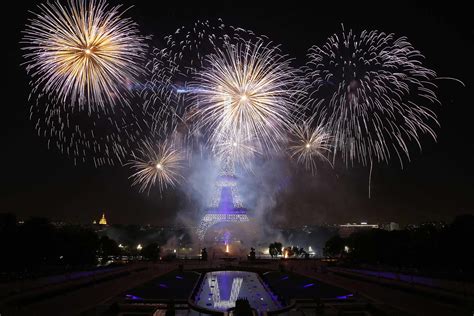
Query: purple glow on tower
(226, 206)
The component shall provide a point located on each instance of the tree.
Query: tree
(334, 246)
(38, 244)
(275, 249)
(108, 247)
(458, 243)
(252, 254)
(151, 251)
(289, 251)
(204, 254)
(300, 252)
(79, 246)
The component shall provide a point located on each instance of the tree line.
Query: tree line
(426, 248)
(37, 246)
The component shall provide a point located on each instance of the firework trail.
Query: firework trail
(308, 144)
(161, 165)
(374, 94)
(103, 137)
(83, 53)
(248, 90)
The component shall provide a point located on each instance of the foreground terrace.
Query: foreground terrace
(297, 287)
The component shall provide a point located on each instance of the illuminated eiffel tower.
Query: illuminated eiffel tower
(226, 205)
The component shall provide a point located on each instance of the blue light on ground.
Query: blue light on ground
(133, 297)
(298, 286)
(344, 297)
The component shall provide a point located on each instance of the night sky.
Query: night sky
(437, 185)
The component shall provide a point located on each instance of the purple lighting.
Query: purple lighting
(308, 285)
(163, 285)
(344, 297)
(226, 206)
(179, 277)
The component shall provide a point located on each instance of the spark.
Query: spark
(237, 149)
(104, 137)
(161, 165)
(308, 145)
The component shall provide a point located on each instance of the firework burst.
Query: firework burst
(309, 144)
(236, 148)
(83, 53)
(174, 66)
(161, 165)
(248, 89)
(370, 88)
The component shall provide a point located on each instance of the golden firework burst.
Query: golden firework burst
(83, 53)
(161, 165)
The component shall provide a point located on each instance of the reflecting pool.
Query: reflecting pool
(220, 289)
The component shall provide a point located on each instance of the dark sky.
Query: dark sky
(438, 184)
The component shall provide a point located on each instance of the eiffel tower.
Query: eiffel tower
(226, 205)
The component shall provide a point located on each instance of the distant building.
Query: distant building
(58, 224)
(346, 230)
(390, 226)
(436, 225)
(394, 226)
(103, 221)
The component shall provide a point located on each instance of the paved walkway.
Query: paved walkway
(406, 302)
(78, 301)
